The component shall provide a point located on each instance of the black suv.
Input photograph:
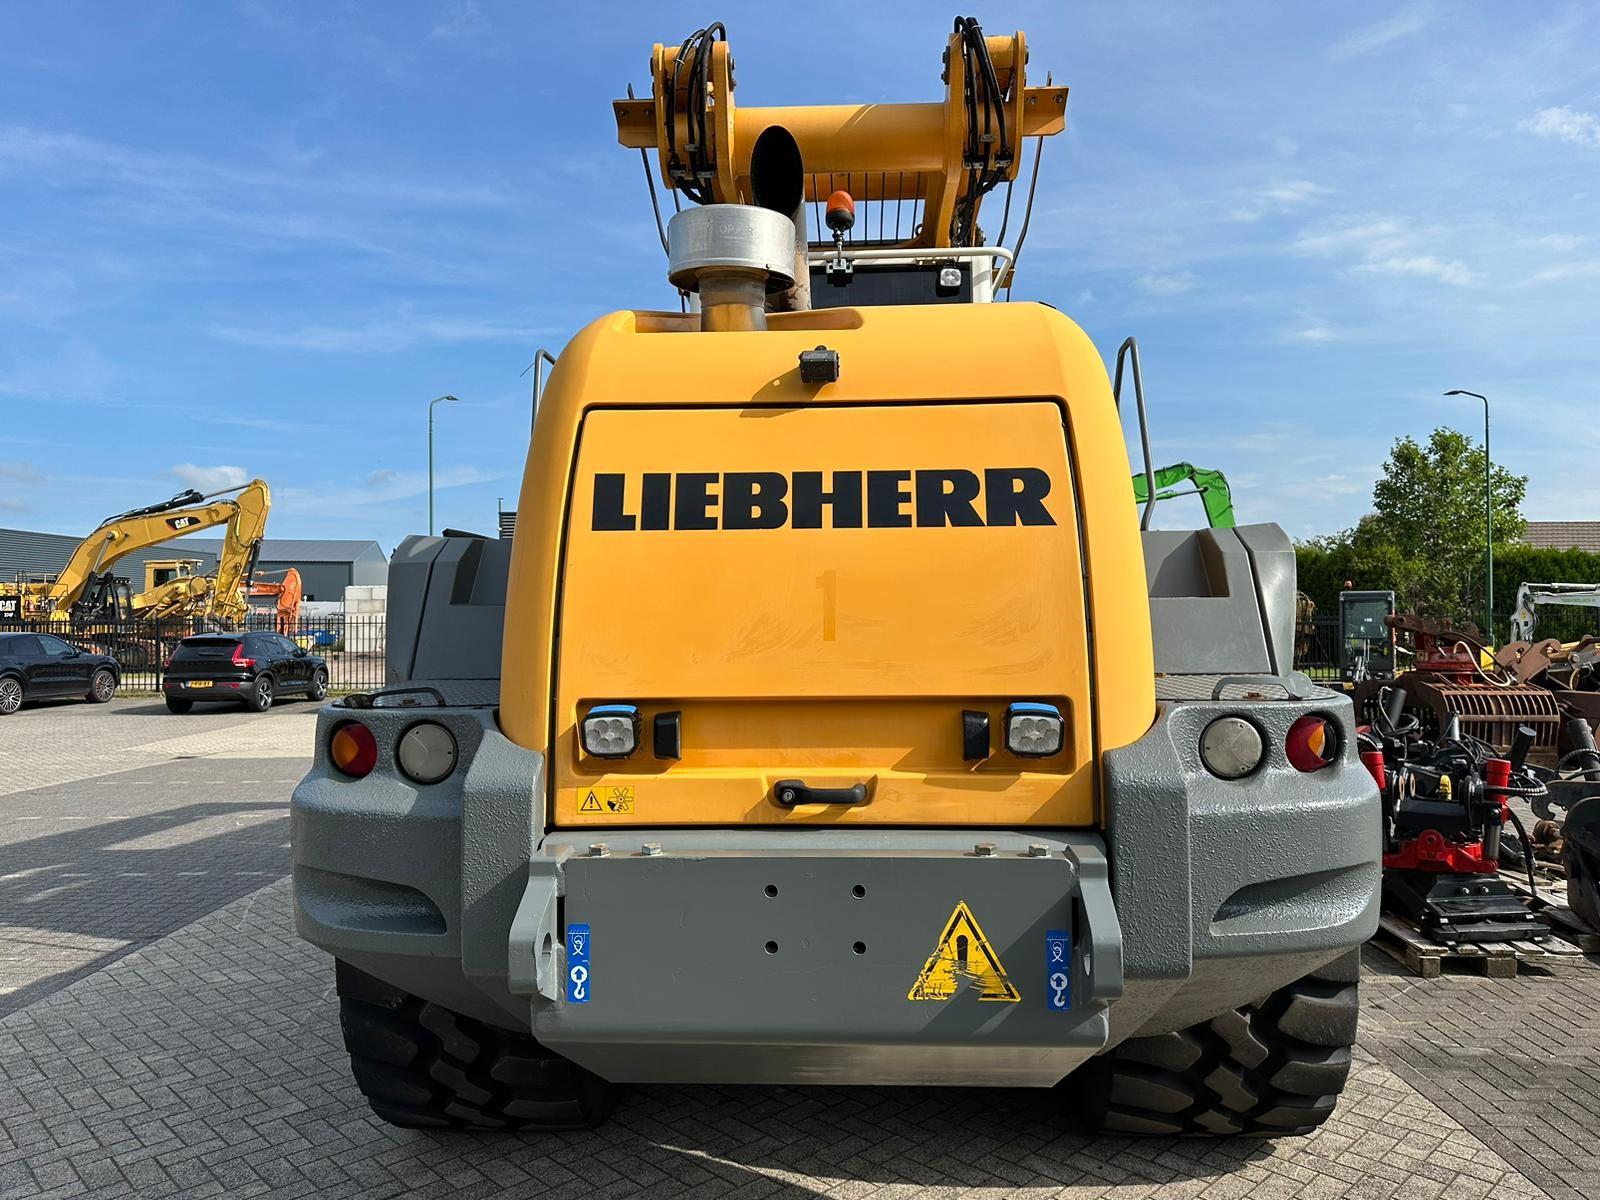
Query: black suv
(242, 668)
(40, 666)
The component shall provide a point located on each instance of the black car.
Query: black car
(40, 666)
(241, 668)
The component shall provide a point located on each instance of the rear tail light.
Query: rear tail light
(1312, 743)
(166, 664)
(353, 749)
(249, 664)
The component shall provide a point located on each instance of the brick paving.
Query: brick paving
(122, 823)
(163, 1033)
(209, 1064)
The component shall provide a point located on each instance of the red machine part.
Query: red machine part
(1432, 851)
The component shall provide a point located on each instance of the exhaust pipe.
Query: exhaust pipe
(778, 182)
(734, 256)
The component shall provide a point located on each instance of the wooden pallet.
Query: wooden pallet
(1423, 956)
(1549, 904)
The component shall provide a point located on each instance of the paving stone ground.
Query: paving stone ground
(192, 1047)
(124, 822)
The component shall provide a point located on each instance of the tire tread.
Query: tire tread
(1271, 1069)
(422, 1066)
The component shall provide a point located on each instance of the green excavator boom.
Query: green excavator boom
(1210, 486)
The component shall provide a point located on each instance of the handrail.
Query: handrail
(541, 357)
(1130, 349)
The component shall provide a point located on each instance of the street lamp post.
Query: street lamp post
(1488, 517)
(431, 403)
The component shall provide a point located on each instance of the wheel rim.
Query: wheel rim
(10, 695)
(319, 683)
(104, 686)
(264, 690)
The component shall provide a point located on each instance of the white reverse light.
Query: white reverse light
(1231, 747)
(1034, 730)
(611, 730)
(426, 752)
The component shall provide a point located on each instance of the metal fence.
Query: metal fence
(352, 644)
(1316, 647)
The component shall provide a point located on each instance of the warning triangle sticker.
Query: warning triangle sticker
(591, 803)
(963, 956)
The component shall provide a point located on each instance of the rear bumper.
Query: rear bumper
(212, 689)
(747, 955)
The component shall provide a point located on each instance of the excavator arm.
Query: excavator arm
(245, 514)
(1210, 486)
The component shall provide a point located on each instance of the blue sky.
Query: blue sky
(259, 237)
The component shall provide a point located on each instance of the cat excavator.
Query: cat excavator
(86, 591)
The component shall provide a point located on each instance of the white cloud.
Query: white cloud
(461, 19)
(1430, 266)
(381, 487)
(1278, 197)
(381, 334)
(1565, 125)
(1385, 247)
(210, 479)
(1166, 285)
(1313, 335)
(1589, 269)
(1375, 37)
(18, 471)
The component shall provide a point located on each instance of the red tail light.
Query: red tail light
(353, 749)
(239, 660)
(166, 664)
(1313, 743)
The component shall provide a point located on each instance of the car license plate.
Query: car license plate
(198, 683)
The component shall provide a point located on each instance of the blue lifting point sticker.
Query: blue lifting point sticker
(577, 964)
(1058, 969)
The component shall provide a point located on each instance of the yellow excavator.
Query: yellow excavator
(86, 591)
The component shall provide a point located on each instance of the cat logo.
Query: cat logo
(182, 522)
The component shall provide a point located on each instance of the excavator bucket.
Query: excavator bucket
(1582, 856)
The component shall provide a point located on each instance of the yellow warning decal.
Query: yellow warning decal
(611, 800)
(963, 954)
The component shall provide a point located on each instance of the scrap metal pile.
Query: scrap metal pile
(1446, 801)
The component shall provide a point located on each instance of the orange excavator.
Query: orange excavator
(288, 590)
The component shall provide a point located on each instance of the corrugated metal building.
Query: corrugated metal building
(28, 554)
(326, 567)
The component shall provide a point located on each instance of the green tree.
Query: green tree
(1424, 535)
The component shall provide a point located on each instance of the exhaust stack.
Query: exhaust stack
(733, 255)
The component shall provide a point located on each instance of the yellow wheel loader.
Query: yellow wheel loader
(830, 718)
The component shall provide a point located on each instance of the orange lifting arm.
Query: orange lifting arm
(873, 151)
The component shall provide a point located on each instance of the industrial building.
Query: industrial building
(326, 566)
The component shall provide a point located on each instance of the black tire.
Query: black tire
(319, 685)
(179, 705)
(102, 687)
(1271, 1069)
(422, 1066)
(259, 698)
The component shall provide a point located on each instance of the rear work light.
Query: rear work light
(1312, 743)
(353, 749)
(249, 664)
(1034, 730)
(611, 730)
(426, 752)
